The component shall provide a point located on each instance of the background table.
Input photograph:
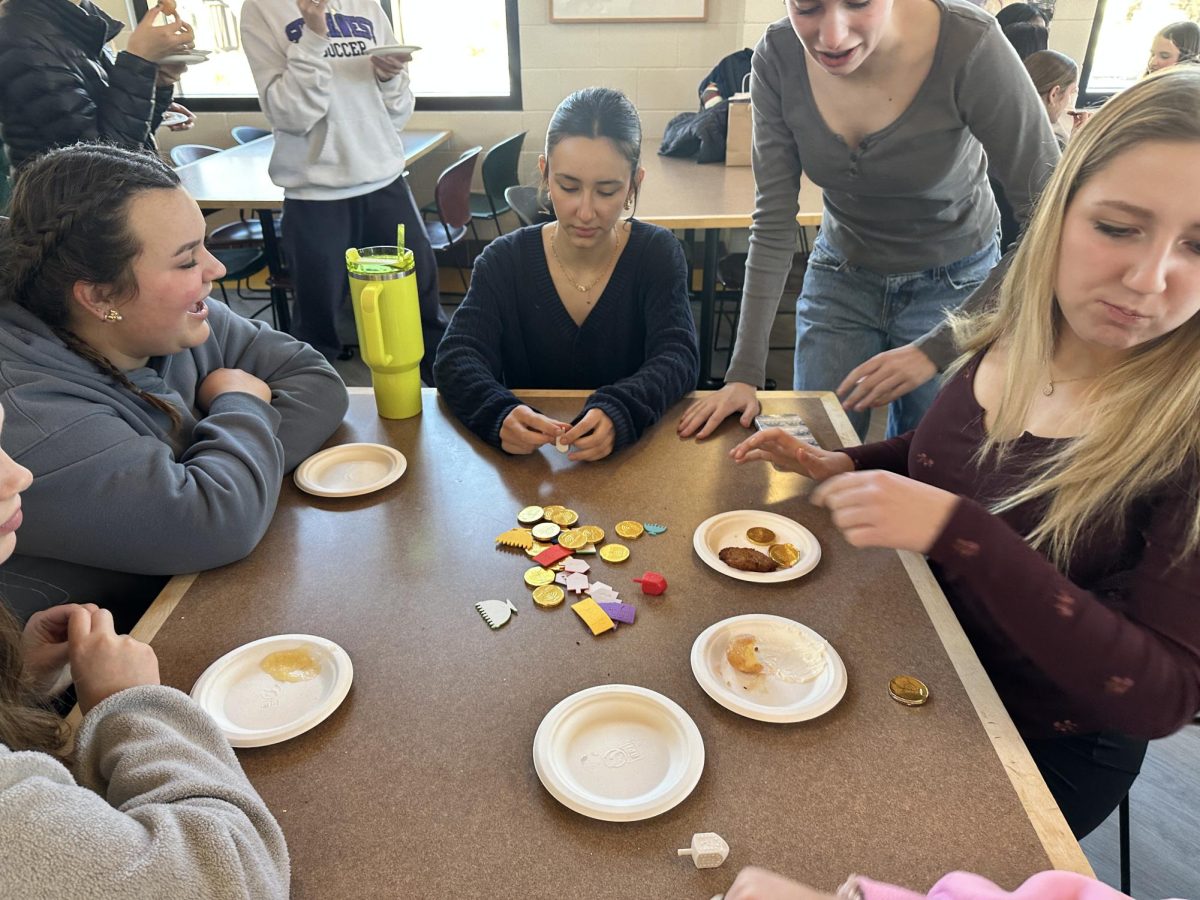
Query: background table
(682, 194)
(422, 783)
(237, 178)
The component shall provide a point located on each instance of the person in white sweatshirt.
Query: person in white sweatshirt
(337, 114)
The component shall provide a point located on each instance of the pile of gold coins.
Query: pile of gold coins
(784, 555)
(542, 527)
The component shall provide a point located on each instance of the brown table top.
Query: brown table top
(680, 193)
(238, 177)
(422, 783)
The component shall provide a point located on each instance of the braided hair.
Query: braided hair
(70, 223)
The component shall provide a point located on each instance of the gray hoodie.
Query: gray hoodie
(134, 495)
(169, 812)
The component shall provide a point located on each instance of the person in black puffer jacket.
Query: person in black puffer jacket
(61, 83)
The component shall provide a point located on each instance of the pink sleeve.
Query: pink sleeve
(965, 886)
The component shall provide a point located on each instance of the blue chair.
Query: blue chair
(244, 134)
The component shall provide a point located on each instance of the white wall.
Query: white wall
(657, 65)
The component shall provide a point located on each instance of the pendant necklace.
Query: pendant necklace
(582, 288)
(1048, 390)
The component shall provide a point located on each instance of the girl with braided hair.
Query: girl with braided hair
(159, 426)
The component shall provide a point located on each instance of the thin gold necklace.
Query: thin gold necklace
(1048, 390)
(583, 288)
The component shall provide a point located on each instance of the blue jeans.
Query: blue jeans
(846, 314)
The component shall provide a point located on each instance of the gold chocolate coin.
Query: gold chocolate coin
(757, 535)
(536, 548)
(614, 553)
(531, 515)
(785, 554)
(552, 510)
(536, 576)
(908, 690)
(572, 540)
(629, 529)
(545, 532)
(566, 518)
(593, 533)
(548, 595)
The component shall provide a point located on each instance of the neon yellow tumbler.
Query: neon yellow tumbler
(387, 315)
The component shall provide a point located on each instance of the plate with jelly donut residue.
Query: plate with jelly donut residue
(275, 688)
(768, 668)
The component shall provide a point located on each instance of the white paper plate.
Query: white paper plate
(618, 752)
(728, 529)
(766, 697)
(172, 118)
(255, 709)
(392, 49)
(190, 58)
(348, 470)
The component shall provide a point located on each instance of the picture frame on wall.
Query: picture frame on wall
(628, 10)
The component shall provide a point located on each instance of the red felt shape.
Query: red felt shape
(551, 555)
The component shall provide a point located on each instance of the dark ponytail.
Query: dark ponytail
(597, 112)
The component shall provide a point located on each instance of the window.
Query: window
(1121, 36)
(470, 56)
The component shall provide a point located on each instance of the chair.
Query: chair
(240, 263)
(523, 201)
(499, 173)
(189, 153)
(244, 134)
(1123, 839)
(452, 202)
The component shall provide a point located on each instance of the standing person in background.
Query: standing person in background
(61, 82)
(1178, 43)
(889, 107)
(1014, 13)
(1055, 77)
(337, 114)
(1027, 38)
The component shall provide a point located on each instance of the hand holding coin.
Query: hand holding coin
(313, 12)
(153, 42)
(525, 430)
(593, 436)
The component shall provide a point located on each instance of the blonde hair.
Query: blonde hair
(1143, 417)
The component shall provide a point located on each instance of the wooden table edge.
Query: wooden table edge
(1047, 820)
(1057, 840)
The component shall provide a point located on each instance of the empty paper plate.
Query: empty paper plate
(348, 470)
(618, 752)
(768, 668)
(393, 49)
(274, 688)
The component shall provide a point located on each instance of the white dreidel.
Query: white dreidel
(708, 850)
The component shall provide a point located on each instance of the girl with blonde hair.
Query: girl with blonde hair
(1054, 483)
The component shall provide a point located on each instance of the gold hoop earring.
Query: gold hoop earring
(629, 204)
(113, 315)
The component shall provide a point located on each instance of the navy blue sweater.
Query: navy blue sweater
(637, 349)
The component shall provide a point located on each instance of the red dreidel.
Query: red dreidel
(652, 583)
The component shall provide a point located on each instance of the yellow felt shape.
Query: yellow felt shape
(593, 616)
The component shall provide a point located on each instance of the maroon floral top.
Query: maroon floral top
(1113, 644)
